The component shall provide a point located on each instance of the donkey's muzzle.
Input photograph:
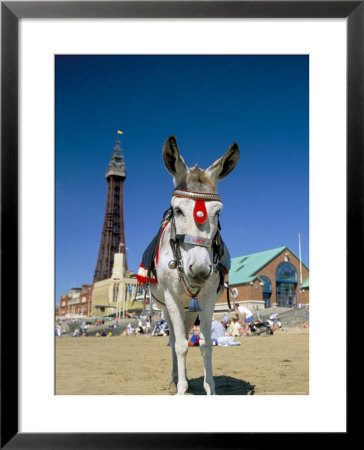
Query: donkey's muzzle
(198, 277)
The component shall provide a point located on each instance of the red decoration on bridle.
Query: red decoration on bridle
(199, 211)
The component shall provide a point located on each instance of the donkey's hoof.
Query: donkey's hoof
(182, 388)
(210, 390)
(182, 392)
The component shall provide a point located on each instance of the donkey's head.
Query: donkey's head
(196, 207)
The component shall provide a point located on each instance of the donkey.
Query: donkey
(191, 259)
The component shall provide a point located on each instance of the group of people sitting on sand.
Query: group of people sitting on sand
(139, 329)
(237, 324)
(242, 322)
(219, 335)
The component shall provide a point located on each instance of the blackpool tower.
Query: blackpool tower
(113, 232)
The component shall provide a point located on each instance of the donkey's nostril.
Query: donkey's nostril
(199, 275)
(203, 275)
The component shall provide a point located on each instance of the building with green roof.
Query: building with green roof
(268, 278)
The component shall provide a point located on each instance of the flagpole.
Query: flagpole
(118, 133)
(299, 249)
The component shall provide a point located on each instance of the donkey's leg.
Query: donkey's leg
(172, 342)
(206, 347)
(177, 316)
(190, 318)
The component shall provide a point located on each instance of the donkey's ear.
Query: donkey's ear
(173, 160)
(224, 165)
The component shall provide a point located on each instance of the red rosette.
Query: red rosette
(199, 212)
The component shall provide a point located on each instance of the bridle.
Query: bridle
(221, 258)
(200, 216)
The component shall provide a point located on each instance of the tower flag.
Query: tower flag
(120, 132)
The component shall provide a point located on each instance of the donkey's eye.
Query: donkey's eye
(178, 212)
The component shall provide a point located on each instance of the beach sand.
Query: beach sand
(136, 365)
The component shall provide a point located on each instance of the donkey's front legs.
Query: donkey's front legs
(172, 342)
(176, 316)
(181, 347)
(206, 351)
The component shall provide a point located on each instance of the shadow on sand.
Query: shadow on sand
(223, 386)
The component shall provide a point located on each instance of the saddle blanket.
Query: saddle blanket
(147, 269)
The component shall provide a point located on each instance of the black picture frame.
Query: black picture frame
(11, 12)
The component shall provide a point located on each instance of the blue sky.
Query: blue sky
(207, 102)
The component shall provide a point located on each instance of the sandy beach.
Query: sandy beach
(137, 365)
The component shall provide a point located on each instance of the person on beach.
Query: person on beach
(243, 310)
(140, 326)
(129, 329)
(148, 323)
(225, 321)
(195, 338)
(219, 335)
(232, 331)
(244, 330)
(274, 316)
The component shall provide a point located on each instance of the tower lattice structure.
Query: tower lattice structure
(113, 232)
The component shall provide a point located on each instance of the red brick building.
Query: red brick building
(77, 302)
(269, 278)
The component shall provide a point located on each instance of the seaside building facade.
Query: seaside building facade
(76, 303)
(112, 295)
(273, 277)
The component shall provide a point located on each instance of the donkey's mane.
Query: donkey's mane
(197, 180)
